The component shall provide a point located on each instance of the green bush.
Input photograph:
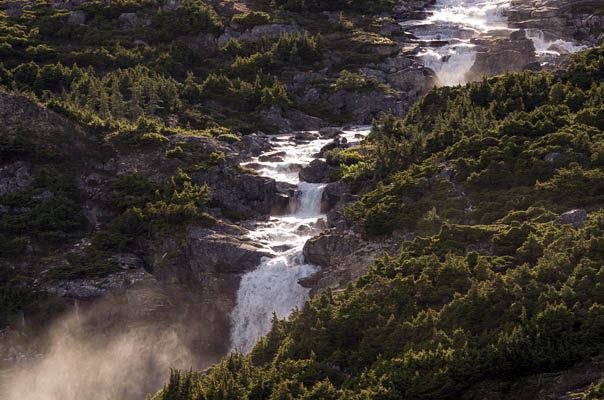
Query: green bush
(46, 213)
(336, 157)
(357, 83)
(191, 18)
(85, 266)
(251, 19)
(146, 208)
(228, 137)
(290, 49)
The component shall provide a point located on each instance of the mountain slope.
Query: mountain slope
(504, 290)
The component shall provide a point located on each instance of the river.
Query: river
(273, 286)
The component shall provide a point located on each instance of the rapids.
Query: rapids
(273, 286)
(447, 32)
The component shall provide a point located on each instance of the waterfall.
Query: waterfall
(450, 63)
(273, 286)
(550, 48)
(309, 199)
(456, 23)
(448, 31)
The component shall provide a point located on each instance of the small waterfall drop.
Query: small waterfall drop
(548, 48)
(273, 286)
(309, 198)
(450, 37)
(449, 31)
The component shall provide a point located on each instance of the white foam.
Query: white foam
(273, 285)
(457, 22)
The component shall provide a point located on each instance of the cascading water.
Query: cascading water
(548, 49)
(449, 30)
(309, 199)
(447, 37)
(273, 286)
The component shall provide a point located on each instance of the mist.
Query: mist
(81, 360)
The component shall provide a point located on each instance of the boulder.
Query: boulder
(252, 145)
(77, 18)
(321, 249)
(212, 251)
(131, 20)
(312, 96)
(332, 195)
(219, 250)
(330, 132)
(576, 218)
(13, 9)
(128, 261)
(501, 56)
(336, 219)
(280, 204)
(304, 229)
(290, 120)
(415, 81)
(286, 187)
(551, 157)
(315, 172)
(343, 255)
(246, 194)
(533, 66)
(273, 157)
(14, 178)
(520, 34)
(171, 5)
(88, 289)
(447, 174)
(44, 196)
(334, 144)
(366, 106)
(304, 136)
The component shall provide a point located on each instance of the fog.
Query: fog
(81, 361)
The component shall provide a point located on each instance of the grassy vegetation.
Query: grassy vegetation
(353, 82)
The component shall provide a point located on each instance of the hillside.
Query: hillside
(162, 160)
(495, 286)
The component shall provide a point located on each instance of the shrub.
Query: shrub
(229, 138)
(357, 83)
(251, 19)
(191, 18)
(85, 266)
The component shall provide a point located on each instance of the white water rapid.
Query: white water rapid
(273, 286)
(549, 48)
(448, 31)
